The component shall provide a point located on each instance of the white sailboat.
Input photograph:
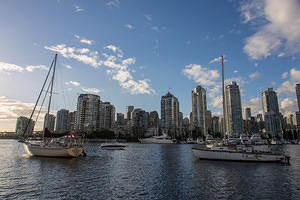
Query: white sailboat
(245, 152)
(53, 144)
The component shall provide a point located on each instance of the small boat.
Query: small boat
(162, 139)
(113, 146)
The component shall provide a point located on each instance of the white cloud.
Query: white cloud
(128, 61)
(74, 83)
(284, 75)
(235, 71)
(218, 59)
(254, 75)
(288, 87)
(115, 49)
(129, 26)
(148, 17)
(31, 68)
(119, 68)
(279, 34)
(78, 9)
(11, 109)
(288, 105)
(72, 52)
(84, 40)
(91, 90)
(201, 75)
(255, 104)
(68, 66)
(113, 3)
(155, 28)
(7, 67)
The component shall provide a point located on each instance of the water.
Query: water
(143, 172)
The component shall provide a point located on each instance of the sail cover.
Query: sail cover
(49, 134)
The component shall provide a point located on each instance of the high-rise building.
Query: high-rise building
(107, 118)
(247, 113)
(169, 111)
(88, 112)
(153, 119)
(215, 125)
(208, 119)
(62, 120)
(233, 110)
(199, 110)
(128, 112)
(49, 122)
(72, 119)
(298, 95)
(271, 112)
(21, 126)
(120, 119)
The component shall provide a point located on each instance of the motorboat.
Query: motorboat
(162, 139)
(113, 146)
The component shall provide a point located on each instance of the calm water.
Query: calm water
(143, 172)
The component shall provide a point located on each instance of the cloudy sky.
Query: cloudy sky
(131, 52)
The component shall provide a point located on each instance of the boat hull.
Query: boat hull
(155, 141)
(113, 148)
(67, 152)
(237, 156)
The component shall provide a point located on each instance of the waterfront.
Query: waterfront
(143, 172)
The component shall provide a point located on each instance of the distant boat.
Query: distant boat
(162, 139)
(53, 144)
(113, 146)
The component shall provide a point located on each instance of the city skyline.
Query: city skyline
(130, 53)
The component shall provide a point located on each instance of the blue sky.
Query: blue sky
(131, 52)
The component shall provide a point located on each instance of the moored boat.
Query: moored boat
(224, 153)
(162, 139)
(113, 146)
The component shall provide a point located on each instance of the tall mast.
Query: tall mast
(51, 89)
(222, 59)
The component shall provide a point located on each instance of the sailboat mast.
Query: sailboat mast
(222, 60)
(52, 81)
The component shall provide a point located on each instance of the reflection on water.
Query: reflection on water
(143, 171)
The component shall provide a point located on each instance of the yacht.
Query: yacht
(113, 146)
(162, 139)
(237, 153)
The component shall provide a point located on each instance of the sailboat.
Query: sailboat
(53, 144)
(227, 152)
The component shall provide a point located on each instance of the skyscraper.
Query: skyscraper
(107, 115)
(49, 122)
(169, 111)
(72, 119)
(128, 112)
(233, 110)
(21, 126)
(298, 95)
(247, 113)
(62, 120)
(271, 112)
(199, 110)
(153, 119)
(88, 112)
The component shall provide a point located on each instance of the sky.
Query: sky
(132, 52)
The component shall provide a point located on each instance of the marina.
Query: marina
(144, 171)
